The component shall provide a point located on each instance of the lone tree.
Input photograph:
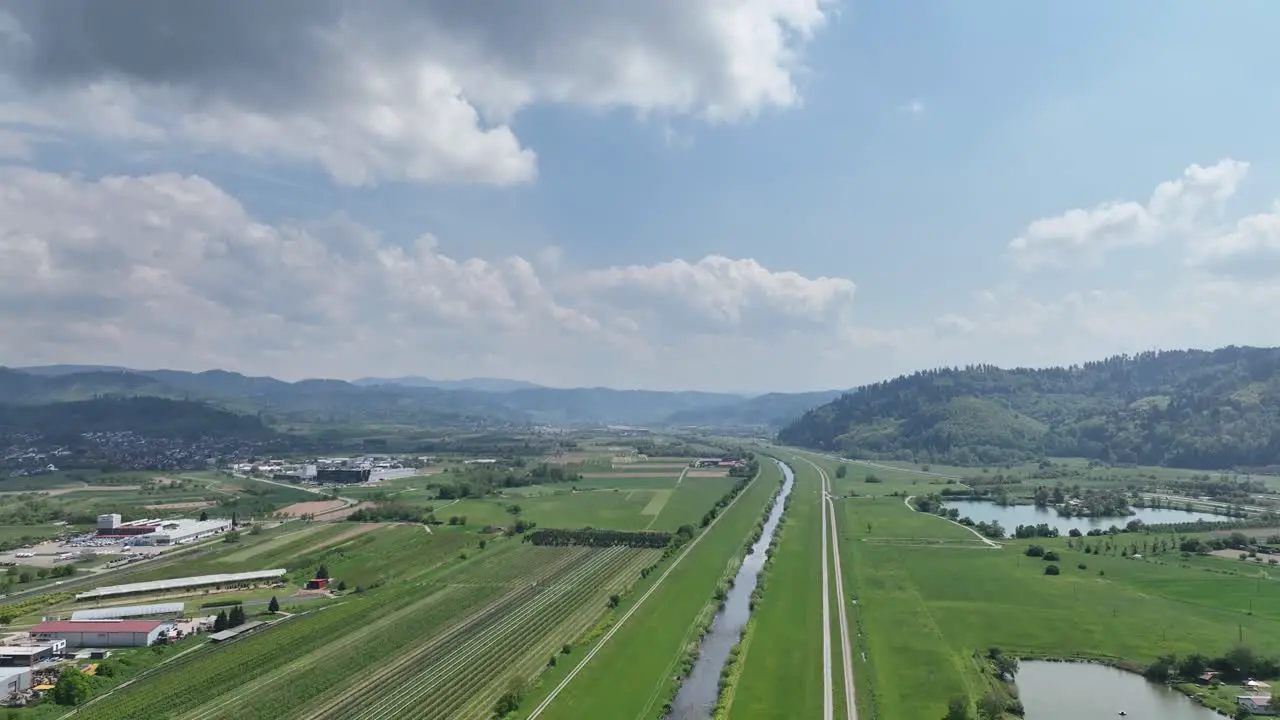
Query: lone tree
(203, 516)
(274, 605)
(322, 572)
(220, 622)
(73, 687)
(236, 618)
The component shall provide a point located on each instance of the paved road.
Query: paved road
(828, 702)
(846, 648)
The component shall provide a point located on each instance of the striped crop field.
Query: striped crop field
(442, 646)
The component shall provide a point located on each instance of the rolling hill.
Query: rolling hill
(1193, 408)
(416, 401)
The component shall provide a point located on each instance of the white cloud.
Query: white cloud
(914, 108)
(1175, 209)
(171, 270)
(392, 89)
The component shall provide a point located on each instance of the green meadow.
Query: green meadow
(927, 608)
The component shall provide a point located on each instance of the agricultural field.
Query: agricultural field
(640, 501)
(445, 643)
(631, 675)
(958, 597)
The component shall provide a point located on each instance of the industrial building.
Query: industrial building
(180, 532)
(343, 475)
(156, 531)
(14, 680)
(29, 656)
(221, 580)
(100, 633)
(134, 612)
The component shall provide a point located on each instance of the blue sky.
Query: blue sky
(689, 203)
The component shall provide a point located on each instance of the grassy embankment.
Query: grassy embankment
(926, 609)
(633, 674)
(781, 666)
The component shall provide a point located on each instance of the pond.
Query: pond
(697, 697)
(1081, 691)
(1015, 515)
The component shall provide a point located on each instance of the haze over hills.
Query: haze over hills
(1189, 408)
(405, 400)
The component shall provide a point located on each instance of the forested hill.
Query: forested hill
(1192, 408)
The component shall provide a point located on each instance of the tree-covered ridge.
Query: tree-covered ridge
(144, 416)
(1186, 408)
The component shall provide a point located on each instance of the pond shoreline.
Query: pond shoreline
(1121, 664)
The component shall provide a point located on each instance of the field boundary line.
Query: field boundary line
(555, 692)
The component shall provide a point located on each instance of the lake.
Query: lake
(1082, 691)
(1015, 515)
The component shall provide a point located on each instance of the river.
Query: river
(700, 691)
(1079, 691)
(1015, 515)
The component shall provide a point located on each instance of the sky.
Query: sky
(732, 195)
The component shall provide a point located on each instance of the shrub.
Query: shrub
(1082, 566)
(1035, 551)
(1052, 570)
(1052, 556)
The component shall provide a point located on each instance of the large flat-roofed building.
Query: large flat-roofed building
(111, 526)
(343, 475)
(127, 612)
(100, 633)
(30, 655)
(180, 532)
(222, 580)
(14, 680)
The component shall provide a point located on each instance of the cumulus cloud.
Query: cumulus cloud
(171, 270)
(1174, 209)
(392, 89)
(720, 294)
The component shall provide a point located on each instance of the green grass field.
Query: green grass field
(630, 678)
(781, 675)
(925, 610)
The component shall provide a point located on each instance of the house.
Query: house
(1256, 704)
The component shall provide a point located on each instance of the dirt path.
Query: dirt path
(555, 692)
(828, 511)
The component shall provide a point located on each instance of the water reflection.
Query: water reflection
(1082, 691)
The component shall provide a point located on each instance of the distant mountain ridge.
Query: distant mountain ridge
(1189, 408)
(480, 384)
(412, 400)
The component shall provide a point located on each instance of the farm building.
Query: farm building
(240, 630)
(100, 633)
(317, 583)
(30, 655)
(221, 580)
(157, 610)
(14, 680)
(1256, 704)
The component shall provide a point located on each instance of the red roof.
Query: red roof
(123, 626)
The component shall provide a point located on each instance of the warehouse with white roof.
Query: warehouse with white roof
(221, 580)
(124, 612)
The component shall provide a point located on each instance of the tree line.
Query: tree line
(593, 537)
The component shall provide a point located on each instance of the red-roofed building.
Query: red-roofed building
(100, 633)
